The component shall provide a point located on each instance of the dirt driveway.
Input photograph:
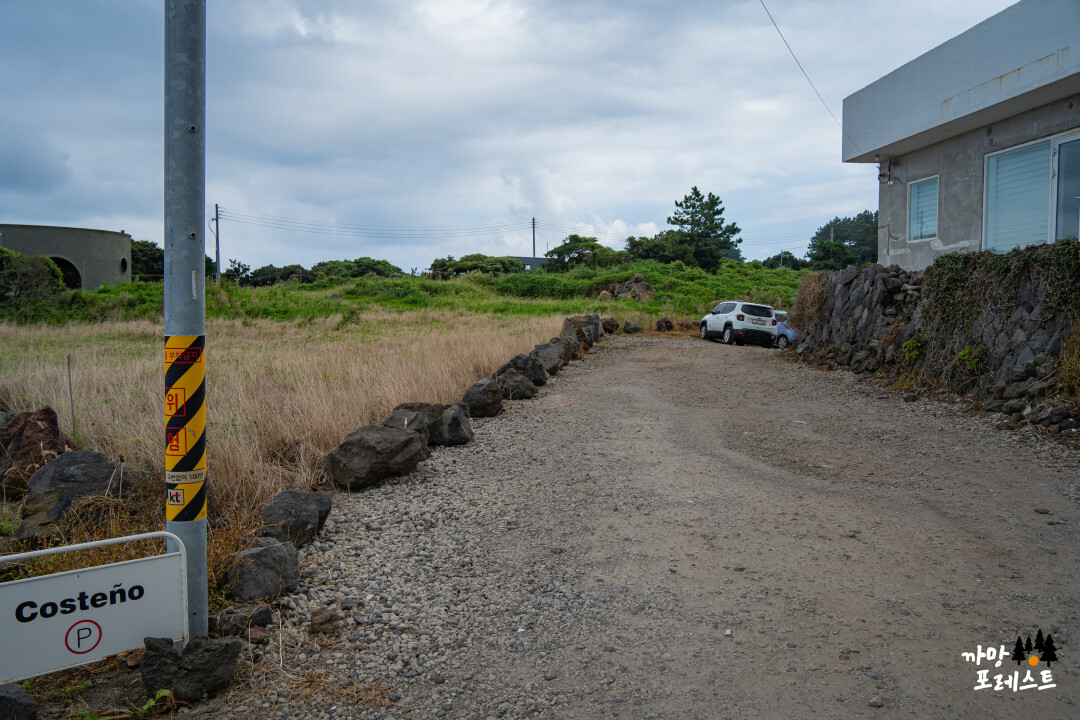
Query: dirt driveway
(777, 540)
(675, 528)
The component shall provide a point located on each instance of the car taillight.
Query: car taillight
(740, 318)
(774, 321)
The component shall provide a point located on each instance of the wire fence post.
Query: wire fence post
(185, 293)
(71, 399)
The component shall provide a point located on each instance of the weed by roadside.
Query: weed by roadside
(9, 519)
(1069, 366)
(809, 299)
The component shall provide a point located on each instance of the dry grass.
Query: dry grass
(279, 395)
(1069, 364)
(808, 300)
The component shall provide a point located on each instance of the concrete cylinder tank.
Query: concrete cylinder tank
(87, 258)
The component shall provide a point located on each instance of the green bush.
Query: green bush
(28, 285)
(681, 290)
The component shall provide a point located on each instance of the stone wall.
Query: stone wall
(1004, 349)
(867, 316)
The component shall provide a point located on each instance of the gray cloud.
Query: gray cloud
(590, 115)
(31, 165)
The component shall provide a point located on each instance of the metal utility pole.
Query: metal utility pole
(217, 246)
(534, 237)
(185, 293)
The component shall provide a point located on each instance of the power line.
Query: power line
(805, 75)
(385, 232)
(370, 231)
(238, 214)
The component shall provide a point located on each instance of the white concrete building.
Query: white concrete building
(978, 140)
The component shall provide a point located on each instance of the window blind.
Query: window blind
(1018, 198)
(922, 210)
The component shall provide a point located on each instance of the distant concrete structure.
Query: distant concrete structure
(88, 259)
(978, 140)
(531, 264)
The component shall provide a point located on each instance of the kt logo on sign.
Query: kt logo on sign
(1031, 654)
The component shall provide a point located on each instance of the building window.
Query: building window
(1018, 197)
(1067, 221)
(923, 209)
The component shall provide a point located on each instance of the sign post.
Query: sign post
(72, 618)
(185, 294)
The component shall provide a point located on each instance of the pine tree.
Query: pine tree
(701, 228)
(1027, 645)
(1018, 652)
(1039, 641)
(1049, 652)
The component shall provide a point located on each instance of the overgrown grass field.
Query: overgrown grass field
(280, 394)
(292, 368)
(682, 291)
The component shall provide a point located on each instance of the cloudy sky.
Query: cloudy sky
(411, 129)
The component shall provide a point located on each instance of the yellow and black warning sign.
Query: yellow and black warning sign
(185, 427)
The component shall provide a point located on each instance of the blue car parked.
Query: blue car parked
(785, 334)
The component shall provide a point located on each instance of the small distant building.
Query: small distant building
(531, 263)
(978, 140)
(87, 258)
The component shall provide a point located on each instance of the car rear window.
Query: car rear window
(757, 310)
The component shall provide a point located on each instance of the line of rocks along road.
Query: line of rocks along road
(681, 529)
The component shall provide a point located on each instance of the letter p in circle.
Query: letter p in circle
(82, 637)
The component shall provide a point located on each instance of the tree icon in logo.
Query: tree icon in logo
(1049, 652)
(1018, 652)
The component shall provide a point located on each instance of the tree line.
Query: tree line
(148, 263)
(699, 236)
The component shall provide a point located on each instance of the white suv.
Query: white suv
(736, 321)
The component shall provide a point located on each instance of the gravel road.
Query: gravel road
(682, 529)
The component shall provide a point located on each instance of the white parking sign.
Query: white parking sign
(58, 621)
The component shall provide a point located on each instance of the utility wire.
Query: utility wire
(237, 214)
(805, 75)
(384, 232)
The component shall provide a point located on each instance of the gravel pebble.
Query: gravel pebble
(498, 581)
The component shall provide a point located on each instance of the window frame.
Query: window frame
(937, 204)
(1056, 140)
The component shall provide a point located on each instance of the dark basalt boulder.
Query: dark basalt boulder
(296, 516)
(529, 366)
(484, 398)
(55, 486)
(267, 570)
(550, 355)
(27, 441)
(413, 420)
(373, 452)
(446, 424)
(515, 386)
(205, 666)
